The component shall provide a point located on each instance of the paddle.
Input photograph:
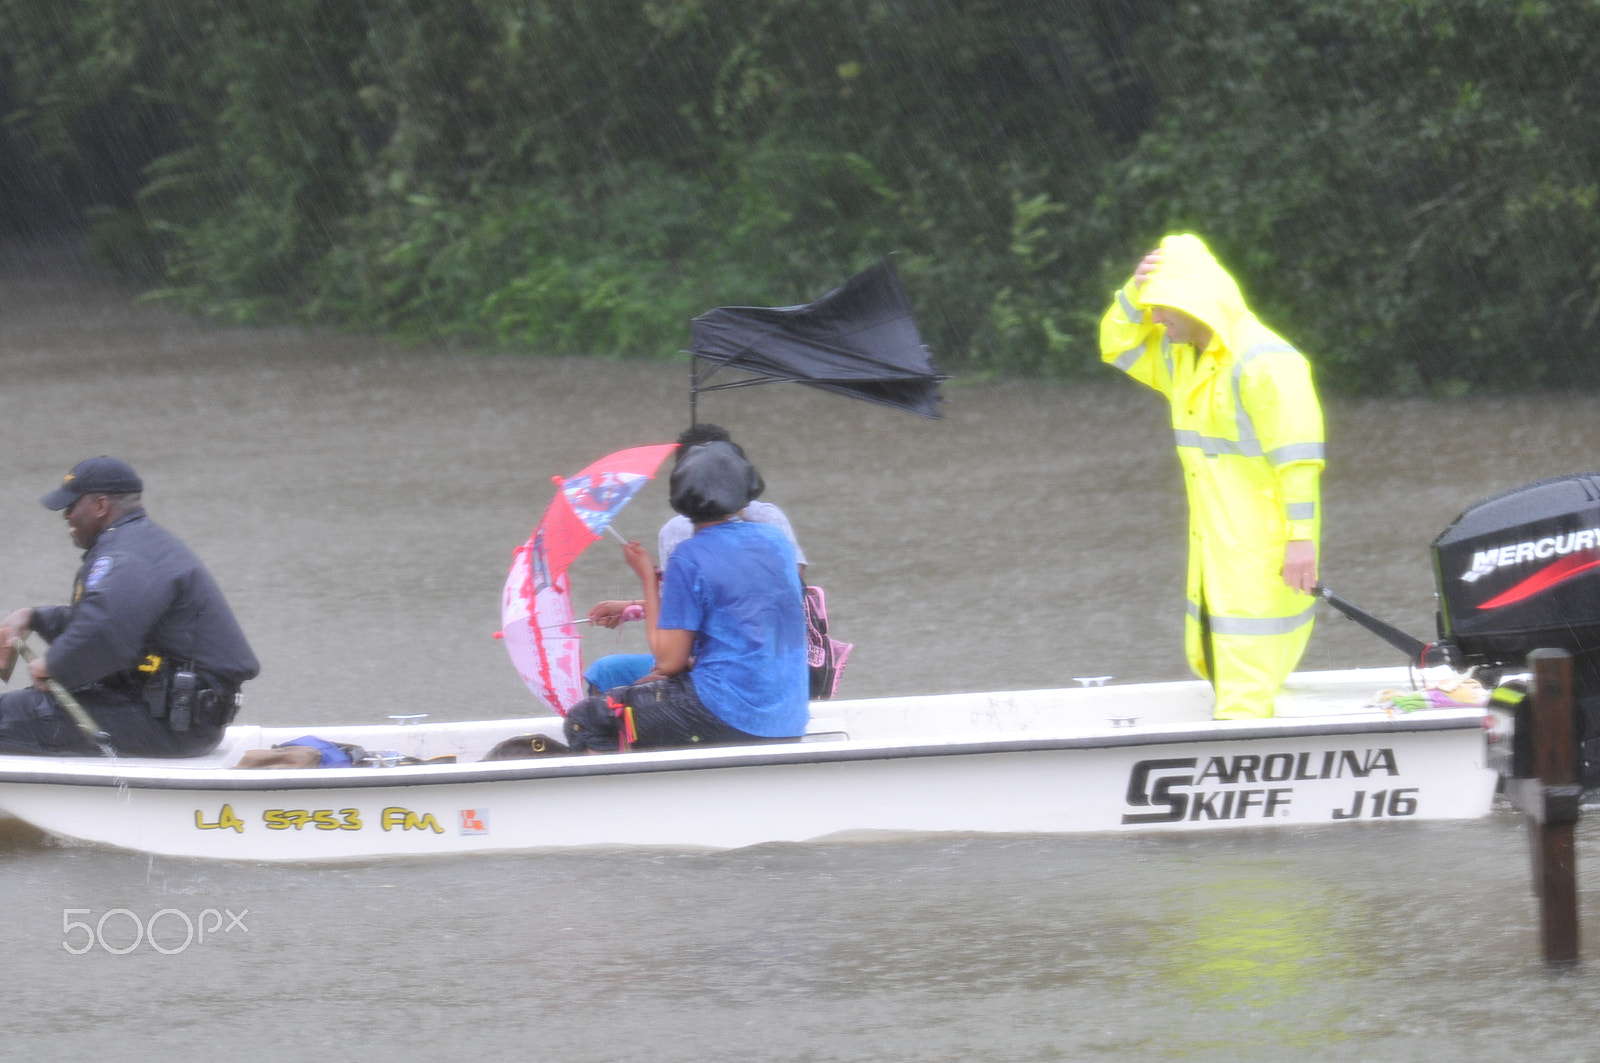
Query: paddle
(63, 696)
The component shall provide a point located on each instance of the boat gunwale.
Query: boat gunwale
(146, 776)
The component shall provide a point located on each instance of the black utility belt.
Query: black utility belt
(180, 696)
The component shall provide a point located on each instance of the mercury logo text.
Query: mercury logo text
(1484, 562)
(1242, 786)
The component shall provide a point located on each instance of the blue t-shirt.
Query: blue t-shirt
(737, 587)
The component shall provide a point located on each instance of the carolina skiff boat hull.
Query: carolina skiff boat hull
(1096, 759)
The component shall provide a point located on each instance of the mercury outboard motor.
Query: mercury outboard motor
(1519, 572)
(1516, 573)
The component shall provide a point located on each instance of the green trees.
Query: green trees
(1409, 188)
(1406, 188)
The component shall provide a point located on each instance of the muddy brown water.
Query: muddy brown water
(359, 501)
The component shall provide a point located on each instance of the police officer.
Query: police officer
(148, 646)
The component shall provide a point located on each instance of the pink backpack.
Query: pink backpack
(825, 654)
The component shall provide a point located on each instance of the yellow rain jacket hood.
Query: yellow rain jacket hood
(1189, 279)
(1248, 430)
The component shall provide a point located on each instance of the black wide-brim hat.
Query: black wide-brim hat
(713, 480)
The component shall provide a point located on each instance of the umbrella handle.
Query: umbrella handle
(629, 614)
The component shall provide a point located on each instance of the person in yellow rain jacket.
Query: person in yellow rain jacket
(1249, 434)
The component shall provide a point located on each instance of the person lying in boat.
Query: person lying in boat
(307, 751)
(148, 646)
(730, 604)
(624, 669)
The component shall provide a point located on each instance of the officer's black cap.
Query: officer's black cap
(94, 476)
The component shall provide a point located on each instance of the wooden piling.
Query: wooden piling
(1550, 796)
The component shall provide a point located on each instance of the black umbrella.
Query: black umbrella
(858, 340)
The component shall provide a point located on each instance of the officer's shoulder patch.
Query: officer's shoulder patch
(97, 572)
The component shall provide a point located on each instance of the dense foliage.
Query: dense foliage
(1406, 188)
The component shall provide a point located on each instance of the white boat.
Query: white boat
(1099, 758)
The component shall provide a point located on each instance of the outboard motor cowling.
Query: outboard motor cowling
(1521, 571)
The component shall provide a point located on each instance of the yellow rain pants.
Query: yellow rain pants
(1248, 429)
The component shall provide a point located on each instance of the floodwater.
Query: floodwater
(359, 502)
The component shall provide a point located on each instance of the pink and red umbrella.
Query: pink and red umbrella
(536, 618)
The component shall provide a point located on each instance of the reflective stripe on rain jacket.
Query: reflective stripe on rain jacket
(1248, 429)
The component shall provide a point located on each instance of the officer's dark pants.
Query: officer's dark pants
(31, 722)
